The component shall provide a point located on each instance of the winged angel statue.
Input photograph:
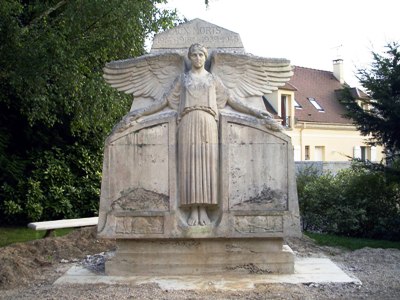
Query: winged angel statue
(197, 95)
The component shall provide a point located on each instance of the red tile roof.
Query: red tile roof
(320, 85)
(288, 87)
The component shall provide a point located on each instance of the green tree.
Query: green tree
(372, 193)
(55, 109)
(381, 119)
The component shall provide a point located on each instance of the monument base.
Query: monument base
(201, 256)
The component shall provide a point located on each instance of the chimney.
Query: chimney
(338, 70)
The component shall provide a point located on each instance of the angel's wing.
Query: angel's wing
(248, 75)
(146, 76)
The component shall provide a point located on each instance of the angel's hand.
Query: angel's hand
(132, 116)
(261, 114)
(268, 119)
(127, 120)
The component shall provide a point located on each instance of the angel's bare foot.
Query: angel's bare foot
(194, 216)
(203, 217)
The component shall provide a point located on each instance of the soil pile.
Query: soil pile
(22, 262)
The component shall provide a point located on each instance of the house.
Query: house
(309, 109)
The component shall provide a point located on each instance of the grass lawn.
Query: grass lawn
(10, 235)
(350, 243)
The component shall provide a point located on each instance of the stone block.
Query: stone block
(200, 257)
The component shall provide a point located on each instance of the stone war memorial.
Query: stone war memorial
(198, 178)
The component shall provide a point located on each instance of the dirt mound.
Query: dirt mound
(22, 262)
(28, 271)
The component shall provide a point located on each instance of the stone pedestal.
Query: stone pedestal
(200, 257)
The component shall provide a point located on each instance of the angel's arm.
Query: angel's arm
(268, 119)
(133, 115)
(168, 99)
(227, 97)
(171, 98)
(156, 106)
(242, 107)
(250, 76)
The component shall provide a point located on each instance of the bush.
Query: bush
(356, 202)
(62, 184)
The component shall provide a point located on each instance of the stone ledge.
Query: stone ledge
(307, 270)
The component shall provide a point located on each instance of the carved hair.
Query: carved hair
(197, 47)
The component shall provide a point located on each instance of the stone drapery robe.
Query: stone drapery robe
(197, 100)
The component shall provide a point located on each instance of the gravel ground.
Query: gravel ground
(28, 271)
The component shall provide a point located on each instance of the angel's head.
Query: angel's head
(197, 47)
(197, 55)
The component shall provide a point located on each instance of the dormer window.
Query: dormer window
(315, 104)
(363, 105)
(297, 105)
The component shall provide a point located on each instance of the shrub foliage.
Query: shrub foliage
(356, 202)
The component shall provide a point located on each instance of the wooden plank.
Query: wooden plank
(67, 223)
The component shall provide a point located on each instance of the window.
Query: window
(307, 153)
(373, 153)
(319, 153)
(297, 105)
(365, 106)
(285, 118)
(365, 152)
(357, 152)
(315, 104)
(297, 153)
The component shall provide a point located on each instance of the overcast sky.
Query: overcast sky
(310, 33)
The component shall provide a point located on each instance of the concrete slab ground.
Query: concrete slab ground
(307, 270)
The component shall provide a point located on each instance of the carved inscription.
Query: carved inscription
(139, 225)
(197, 31)
(258, 224)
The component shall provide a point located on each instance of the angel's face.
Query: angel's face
(198, 59)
